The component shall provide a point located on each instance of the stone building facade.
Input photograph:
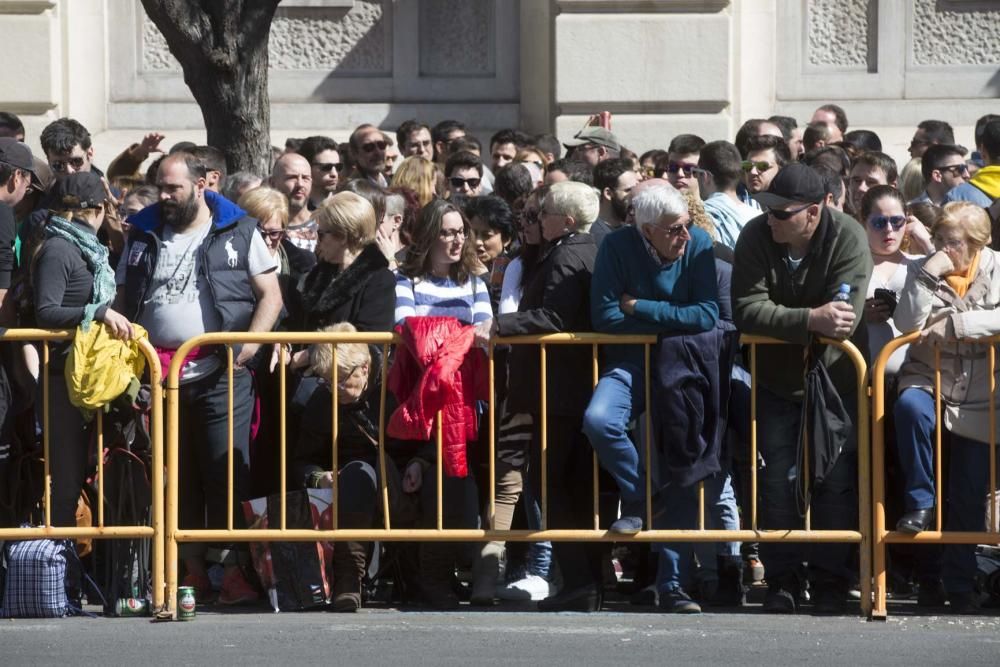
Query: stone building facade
(660, 66)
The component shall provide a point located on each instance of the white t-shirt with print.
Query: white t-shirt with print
(179, 306)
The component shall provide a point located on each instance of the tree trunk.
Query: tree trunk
(222, 48)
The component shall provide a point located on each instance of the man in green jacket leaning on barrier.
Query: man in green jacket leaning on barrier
(790, 264)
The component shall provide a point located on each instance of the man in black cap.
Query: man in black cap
(593, 145)
(17, 171)
(790, 264)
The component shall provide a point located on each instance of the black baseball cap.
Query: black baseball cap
(795, 182)
(80, 190)
(18, 155)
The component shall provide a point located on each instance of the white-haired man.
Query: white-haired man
(657, 277)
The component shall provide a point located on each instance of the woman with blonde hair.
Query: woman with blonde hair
(351, 281)
(270, 208)
(419, 175)
(952, 298)
(357, 455)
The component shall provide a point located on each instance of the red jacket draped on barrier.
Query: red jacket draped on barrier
(436, 368)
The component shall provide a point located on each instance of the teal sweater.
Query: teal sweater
(679, 298)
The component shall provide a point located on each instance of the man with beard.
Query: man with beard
(368, 147)
(292, 177)
(614, 180)
(195, 264)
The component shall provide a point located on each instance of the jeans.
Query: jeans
(834, 503)
(968, 482)
(539, 557)
(915, 447)
(620, 394)
(721, 513)
(203, 441)
(675, 565)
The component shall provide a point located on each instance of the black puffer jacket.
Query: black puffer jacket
(556, 299)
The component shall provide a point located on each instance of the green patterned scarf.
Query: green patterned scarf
(95, 254)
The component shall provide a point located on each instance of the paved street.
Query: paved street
(390, 637)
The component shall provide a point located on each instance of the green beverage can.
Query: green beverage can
(185, 603)
(132, 607)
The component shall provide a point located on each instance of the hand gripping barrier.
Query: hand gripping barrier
(155, 531)
(175, 535)
(882, 536)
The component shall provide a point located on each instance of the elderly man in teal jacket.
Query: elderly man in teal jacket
(655, 277)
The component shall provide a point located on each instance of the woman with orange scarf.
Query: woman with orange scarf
(953, 298)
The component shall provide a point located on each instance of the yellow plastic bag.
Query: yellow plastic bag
(100, 367)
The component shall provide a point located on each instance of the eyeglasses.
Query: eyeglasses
(786, 215)
(682, 169)
(450, 235)
(675, 230)
(880, 222)
(941, 242)
(457, 182)
(273, 234)
(62, 165)
(326, 167)
(955, 169)
(372, 146)
(760, 165)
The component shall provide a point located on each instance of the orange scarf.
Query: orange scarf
(960, 281)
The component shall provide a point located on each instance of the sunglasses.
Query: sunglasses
(786, 215)
(682, 169)
(760, 165)
(955, 169)
(327, 167)
(274, 235)
(675, 230)
(880, 222)
(457, 182)
(61, 165)
(372, 146)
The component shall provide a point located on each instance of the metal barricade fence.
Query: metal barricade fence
(155, 531)
(175, 534)
(882, 536)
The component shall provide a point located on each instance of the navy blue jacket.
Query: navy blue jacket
(223, 261)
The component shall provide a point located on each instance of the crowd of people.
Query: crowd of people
(789, 232)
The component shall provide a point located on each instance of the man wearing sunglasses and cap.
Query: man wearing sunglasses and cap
(790, 264)
(593, 145)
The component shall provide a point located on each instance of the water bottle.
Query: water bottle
(843, 293)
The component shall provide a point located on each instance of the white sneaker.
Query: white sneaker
(532, 587)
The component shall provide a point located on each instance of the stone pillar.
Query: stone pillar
(30, 79)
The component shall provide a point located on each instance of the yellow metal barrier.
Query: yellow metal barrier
(882, 536)
(175, 535)
(155, 531)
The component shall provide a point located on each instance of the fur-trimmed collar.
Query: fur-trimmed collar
(326, 288)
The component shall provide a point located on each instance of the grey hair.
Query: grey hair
(238, 183)
(395, 204)
(577, 200)
(654, 202)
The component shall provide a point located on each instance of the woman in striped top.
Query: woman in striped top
(437, 276)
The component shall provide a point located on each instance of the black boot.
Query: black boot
(730, 592)
(437, 574)
(349, 560)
